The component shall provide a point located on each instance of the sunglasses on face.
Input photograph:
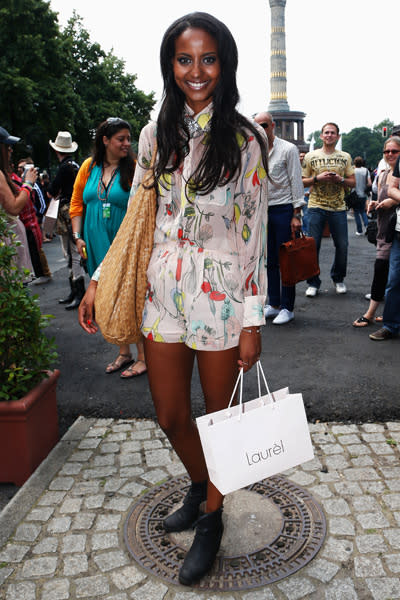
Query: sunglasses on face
(264, 125)
(391, 151)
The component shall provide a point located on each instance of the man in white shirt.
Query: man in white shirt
(285, 199)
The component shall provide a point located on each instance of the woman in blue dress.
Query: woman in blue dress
(98, 206)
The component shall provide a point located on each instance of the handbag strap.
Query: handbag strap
(297, 235)
(260, 370)
(240, 380)
(148, 179)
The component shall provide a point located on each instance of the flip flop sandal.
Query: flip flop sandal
(378, 319)
(131, 372)
(119, 364)
(362, 322)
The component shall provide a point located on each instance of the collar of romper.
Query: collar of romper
(198, 124)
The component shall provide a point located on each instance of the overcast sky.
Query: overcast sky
(342, 57)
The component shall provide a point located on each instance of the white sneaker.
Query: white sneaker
(41, 280)
(340, 288)
(359, 233)
(270, 311)
(284, 316)
(311, 291)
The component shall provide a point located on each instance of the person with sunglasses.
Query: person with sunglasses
(391, 314)
(285, 199)
(385, 207)
(98, 206)
(13, 198)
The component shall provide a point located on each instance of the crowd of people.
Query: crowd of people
(229, 193)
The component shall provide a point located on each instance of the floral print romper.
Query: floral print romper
(206, 276)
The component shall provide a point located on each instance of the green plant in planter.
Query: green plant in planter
(26, 354)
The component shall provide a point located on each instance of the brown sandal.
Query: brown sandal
(119, 363)
(133, 371)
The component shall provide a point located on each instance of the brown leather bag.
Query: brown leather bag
(298, 260)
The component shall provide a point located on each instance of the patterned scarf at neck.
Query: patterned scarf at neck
(197, 127)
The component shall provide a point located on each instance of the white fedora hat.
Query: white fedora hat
(63, 142)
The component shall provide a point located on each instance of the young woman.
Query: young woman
(384, 207)
(206, 274)
(102, 186)
(13, 198)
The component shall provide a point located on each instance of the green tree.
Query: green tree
(317, 139)
(103, 86)
(52, 80)
(35, 97)
(361, 141)
(366, 143)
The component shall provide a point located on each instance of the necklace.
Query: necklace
(103, 190)
(194, 128)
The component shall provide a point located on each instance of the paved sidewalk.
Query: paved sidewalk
(61, 536)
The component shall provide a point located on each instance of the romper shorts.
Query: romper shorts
(194, 297)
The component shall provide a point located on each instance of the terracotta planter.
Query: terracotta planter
(28, 431)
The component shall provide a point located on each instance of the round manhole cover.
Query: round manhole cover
(272, 529)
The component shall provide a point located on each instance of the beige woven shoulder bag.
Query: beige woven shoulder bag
(121, 290)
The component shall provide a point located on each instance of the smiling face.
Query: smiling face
(391, 152)
(117, 146)
(329, 135)
(196, 67)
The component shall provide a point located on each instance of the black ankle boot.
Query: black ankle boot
(201, 556)
(187, 515)
(71, 296)
(79, 287)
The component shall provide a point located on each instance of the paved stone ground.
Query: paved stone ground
(61, 536)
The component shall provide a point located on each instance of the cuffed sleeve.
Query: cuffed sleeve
(76, 204)
(251, 214)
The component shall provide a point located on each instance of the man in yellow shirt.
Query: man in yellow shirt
(328, 171)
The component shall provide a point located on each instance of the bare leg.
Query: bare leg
(218, 374)
(140, 351)
(139, 366)
(124, 349)
(170, 369)
(373, 307)
(124, 357)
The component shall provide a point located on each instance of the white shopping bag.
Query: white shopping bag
(50, 218)
(250, 441)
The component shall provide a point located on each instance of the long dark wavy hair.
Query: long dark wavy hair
(108, 128)
(222, 156)
(5, 167)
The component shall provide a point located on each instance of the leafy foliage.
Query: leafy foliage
(53, 80)
(317, 140)
(368, 144)
(362, 141)
(26, 354)
(103, 87)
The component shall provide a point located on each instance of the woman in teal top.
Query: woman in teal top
(101, 191)
(105, 209)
